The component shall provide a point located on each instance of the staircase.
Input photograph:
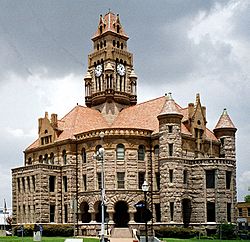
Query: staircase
(121, 235)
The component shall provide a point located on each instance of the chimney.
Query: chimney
(54, 120)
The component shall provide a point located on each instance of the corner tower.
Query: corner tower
(110, 82)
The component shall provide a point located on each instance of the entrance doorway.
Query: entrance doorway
(186, 211)
(121, 215)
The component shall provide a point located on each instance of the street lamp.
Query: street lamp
(145, 188)
(100, 157)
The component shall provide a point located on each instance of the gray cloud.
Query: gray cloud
(181, 46)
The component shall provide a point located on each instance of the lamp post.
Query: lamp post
(100, 157)
(145, 188)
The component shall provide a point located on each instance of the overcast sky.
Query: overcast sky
(182, 46)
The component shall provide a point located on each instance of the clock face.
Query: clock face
(121, 69)
(98, 70)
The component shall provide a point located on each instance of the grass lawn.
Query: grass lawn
(44, 239)
(201, 240)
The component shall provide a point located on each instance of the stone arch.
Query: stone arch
(85, 215)
(121, 214)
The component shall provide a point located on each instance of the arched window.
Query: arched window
(98, 46)
(84, 158)
(141, 152)
(40, 159)
(118, 44)
(120, 152)
(45, 159)
(29, 161)
(97, 148)
(122, 46)
(114, 43)
(51, 158)
(156, 151)
(64, 156)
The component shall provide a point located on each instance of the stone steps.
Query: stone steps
(121, 233)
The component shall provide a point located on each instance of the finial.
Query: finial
(224, 111)
(170, 96)
(197, 98)
(109, 10)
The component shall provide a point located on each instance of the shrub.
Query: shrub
(49, 230)
(176, 232)
(227, 231)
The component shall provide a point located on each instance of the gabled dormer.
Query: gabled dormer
(48, 129)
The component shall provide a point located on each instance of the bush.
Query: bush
(176, 232)
(227, 231)
(49, 230)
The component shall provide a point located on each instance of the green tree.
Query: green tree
(247, 198)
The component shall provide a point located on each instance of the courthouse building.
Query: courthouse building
(191, 170)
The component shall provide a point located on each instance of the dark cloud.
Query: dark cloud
(43, 42)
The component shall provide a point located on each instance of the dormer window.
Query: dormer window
(100, 29)
(118, 28)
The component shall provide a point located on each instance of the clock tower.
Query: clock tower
(110, 82)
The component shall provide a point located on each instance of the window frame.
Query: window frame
(141, 152)
(120, 152)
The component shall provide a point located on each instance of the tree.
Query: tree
(247, 198)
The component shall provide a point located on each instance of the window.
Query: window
(84, 158)
(210, 212)
(171, 174)
(99, 180)
(170, 149)
(158, 180)
(65, 213)
(171, 211)
(23, 182)
(141, 178)
(28, 183)
(157, 212)
(228, 179)
(210, 178)
(120, 152)
(64, 156)
(52, 181)
(141, 152)
(51, 158)
(222, 141)
(156, 151)
(228, 212)
(120, 180)
(40, 159)
(34, 182)
(45, 159)
(65, 183)
(18, 184)
(248, 212)
(170, 129)
(240, 212)
(84, 181)
(185, 177)
(52, 214)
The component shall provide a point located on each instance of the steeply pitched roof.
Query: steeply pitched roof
(109, 24)
(225, 121)
(141, 116)
(170, 107)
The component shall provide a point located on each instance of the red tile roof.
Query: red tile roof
(109, 23)
(141, 116)
(225, 121)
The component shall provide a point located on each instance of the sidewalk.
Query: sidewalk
(121, 239)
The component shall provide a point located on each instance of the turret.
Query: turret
(170, 129)
(225, 132)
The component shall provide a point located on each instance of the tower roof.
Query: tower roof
(225, 121)
(110, 23)
(170, 107)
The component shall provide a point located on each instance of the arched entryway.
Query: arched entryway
(186, 211)
(121, 215)
(84, 211)
(98, 212)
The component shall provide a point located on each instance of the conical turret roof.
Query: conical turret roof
(225, 121)
(170, 107)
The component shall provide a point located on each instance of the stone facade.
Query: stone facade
(191, 170)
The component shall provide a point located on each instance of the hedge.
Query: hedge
(176, 232)
(49, 230)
